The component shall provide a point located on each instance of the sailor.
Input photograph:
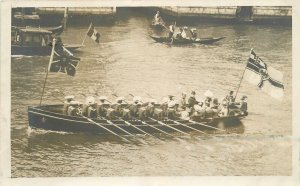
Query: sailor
(224, 108)
(74, 109)
(172, 30)
(119, 106)
(183, 101)
(92, 110)
(192, 100)
(88, 101)
(67, 102)
(193, 34)
(164, 104)
(102, 106)
(230, 97)
(244, 106)
(135, 106)
(199, 112)
(215, 107)
(157, 17)
(183, 33)
(184, 113)
(179, 34)
(171, 112)
(208, 94)
(150, 108)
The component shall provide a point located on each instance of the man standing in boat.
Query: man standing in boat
(157, 18)
(192, 100)
(172, 29)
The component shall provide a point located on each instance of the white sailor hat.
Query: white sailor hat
(209, 94)
(90, 100)
(184, 93)
(197, 108)
(171, 104)
(69, 97)
(193, 29)
(102, 98)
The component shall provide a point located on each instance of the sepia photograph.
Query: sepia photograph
(151, 91)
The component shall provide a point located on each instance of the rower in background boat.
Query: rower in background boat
(67, 102)
(157, 17)
(193, 34)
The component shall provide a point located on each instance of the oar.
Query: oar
(187, 126)
(153, 127)
(149, 124)
(98, 124)
(162, 123)
(116, 126)
(128, 123)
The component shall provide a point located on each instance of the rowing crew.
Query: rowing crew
(169, 108)
(181, 34)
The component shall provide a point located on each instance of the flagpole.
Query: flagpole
(49, 65)
(241, 78)
(86, 35)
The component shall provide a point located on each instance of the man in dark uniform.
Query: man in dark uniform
(244, 106)
(192, 100)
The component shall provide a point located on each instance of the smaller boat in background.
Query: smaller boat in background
(34, 41)
(175, 41)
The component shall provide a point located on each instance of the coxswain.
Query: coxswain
(67, 102)
(88, 101)
(192, 100)
(102, 106)
(244, 106)
(74, 109)
(172, 30)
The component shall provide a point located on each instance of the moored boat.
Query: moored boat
(33, 41)
(51, 117)
(55, 30)
(186, 41)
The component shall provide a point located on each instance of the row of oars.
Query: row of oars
(143, 122)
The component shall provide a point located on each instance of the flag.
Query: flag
(268, 79)
(93, 34)
(63, 61)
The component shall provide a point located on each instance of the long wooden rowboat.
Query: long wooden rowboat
(186, 41)
(50, 117)
(54, 30)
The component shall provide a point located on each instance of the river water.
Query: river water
(128, 61)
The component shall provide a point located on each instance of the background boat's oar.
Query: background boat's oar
(116, 126)
(162, 123)
(98, 124)
(187, 126)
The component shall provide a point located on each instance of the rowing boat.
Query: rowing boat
(50, 117)
(158, 26)
(186, 41)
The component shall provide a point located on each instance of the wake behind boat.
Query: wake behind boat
(163, 39)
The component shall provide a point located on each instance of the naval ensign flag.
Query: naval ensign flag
(268, 79)
(93, 34)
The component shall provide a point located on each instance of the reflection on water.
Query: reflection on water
(129, 61)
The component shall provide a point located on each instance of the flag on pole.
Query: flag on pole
(63, 61)
(93, 33)
(268, 79)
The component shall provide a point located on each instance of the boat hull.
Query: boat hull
(186, 41)
(44, 119)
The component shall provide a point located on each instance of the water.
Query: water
(129, 61)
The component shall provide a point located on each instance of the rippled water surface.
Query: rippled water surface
(129, 61)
